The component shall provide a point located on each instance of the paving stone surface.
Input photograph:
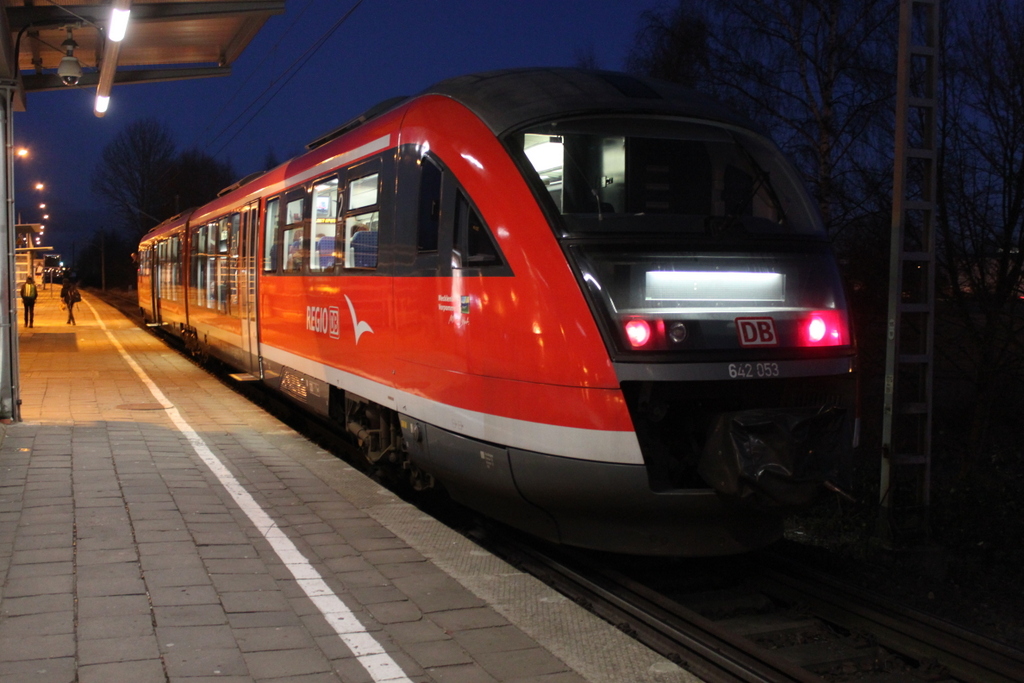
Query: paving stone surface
(123, 557)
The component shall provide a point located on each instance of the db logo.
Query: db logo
(756, 332)
(334, 329)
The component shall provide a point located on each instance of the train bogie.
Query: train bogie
(595, 307)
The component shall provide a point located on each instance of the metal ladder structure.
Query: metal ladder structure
(907, 418)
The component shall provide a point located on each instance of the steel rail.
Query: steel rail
(694, 642)
(965, 654)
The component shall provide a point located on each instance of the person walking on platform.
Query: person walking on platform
(70, 296)
(28, 300)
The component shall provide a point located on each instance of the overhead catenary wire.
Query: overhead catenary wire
(281, 81)
(255, 70)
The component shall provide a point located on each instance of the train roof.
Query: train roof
(168, 224)
(512, 98)
(509, 99)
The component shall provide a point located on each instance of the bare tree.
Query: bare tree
(270, 160)
(131, 173)
(982, 206)
(194, 178)
(819, 75)
(586, 57)
(672, 44)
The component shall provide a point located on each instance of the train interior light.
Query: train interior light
(545, 152)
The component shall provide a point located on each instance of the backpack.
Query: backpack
(73, 295)
(28, 291)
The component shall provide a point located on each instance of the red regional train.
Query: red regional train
(599, 308)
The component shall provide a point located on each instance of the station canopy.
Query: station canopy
(166, 40)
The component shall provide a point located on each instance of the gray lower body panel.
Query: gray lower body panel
(602, 506)
(608, 506)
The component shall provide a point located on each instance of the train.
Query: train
(596, 307)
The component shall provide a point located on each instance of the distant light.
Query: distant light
(118, 24)
(102, 102)
(40, 186)
(23, 152)
(46, 216)
(41, 206)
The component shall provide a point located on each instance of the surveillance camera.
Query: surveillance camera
(70, 70)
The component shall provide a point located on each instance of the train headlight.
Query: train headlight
(677, 332)
(638, 332)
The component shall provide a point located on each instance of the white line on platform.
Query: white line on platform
(364, 646)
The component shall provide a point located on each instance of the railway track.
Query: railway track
(779, 622)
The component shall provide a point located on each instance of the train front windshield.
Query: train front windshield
(665, 175)
(689, 236)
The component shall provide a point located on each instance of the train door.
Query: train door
(444, 264)
(157, 262)
(247, 289)
(430, 330)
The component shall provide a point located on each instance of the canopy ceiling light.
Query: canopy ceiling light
(116, 30)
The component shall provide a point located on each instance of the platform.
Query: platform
(155, 526)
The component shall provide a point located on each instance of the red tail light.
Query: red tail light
(823, 328)
(638, 332)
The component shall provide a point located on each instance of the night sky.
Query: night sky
(386, 48)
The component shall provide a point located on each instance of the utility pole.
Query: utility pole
(907, 418)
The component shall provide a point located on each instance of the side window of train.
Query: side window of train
(294, 238)
(326, 248)
(271, 247)
(472, 244)
(361, 224)
(447, 232)
(429, 216)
